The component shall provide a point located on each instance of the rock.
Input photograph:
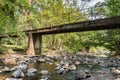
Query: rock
(60, 71)
(42, 60)
(88, 74)
(1, 71)
(66, 64)
(44, 78)
(18, 74)
(7, 69)
(58, 67)
(72, 67)
(1, 67)
(51, 63)
(115, 71)
(100, 72)
(117, 79)
(23, 67)
(32, 70)
(44, 72)
(9, 60)
(13, 79)
(30, 74)
(14, 68)
(77, 62)
(1, 61)
(80, 75)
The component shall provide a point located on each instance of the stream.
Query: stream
(97, 72)
(67, 76)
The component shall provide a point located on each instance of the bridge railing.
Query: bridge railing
(92, 13)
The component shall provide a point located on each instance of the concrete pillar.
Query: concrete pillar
(30, 50)
(37, 39)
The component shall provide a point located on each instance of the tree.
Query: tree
(114, 35)
(112, 40)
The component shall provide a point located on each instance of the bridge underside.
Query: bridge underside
(102, 24)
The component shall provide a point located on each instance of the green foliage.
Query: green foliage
(113, 7)
(112, 37)
(20, 15)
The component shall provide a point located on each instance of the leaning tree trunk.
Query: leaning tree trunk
(30, 50)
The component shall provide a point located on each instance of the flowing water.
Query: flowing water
(67, 76)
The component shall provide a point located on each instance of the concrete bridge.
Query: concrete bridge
(35, 36)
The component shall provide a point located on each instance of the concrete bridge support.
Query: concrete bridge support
(37, 40)
(34, 44)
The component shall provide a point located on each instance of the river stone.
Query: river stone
(29, 74)
(88, 74)
(22, 66)
(44, 78)
(0, 71)
(13, 79)
(44, 72)
(80, 75)
(32, 70)
(1, 67)
(72, 67)
(14, 68)
(117, 79)
(41, 60)
(18, 73)
(7, 69)
(58, 67)
(60, 71)
(66, 64)
(115, 71)
(100, 72)
(77, 62)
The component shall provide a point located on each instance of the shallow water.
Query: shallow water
(94, 74)
(68, 76)
(43, 66)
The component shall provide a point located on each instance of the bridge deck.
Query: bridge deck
(100, 24)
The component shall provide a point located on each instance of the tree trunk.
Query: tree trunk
(26, 14)
(54, 42)
(87, 48)
(30, 50)
(117, 43)
(61, 42)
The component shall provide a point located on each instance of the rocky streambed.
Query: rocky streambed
(63, 66)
